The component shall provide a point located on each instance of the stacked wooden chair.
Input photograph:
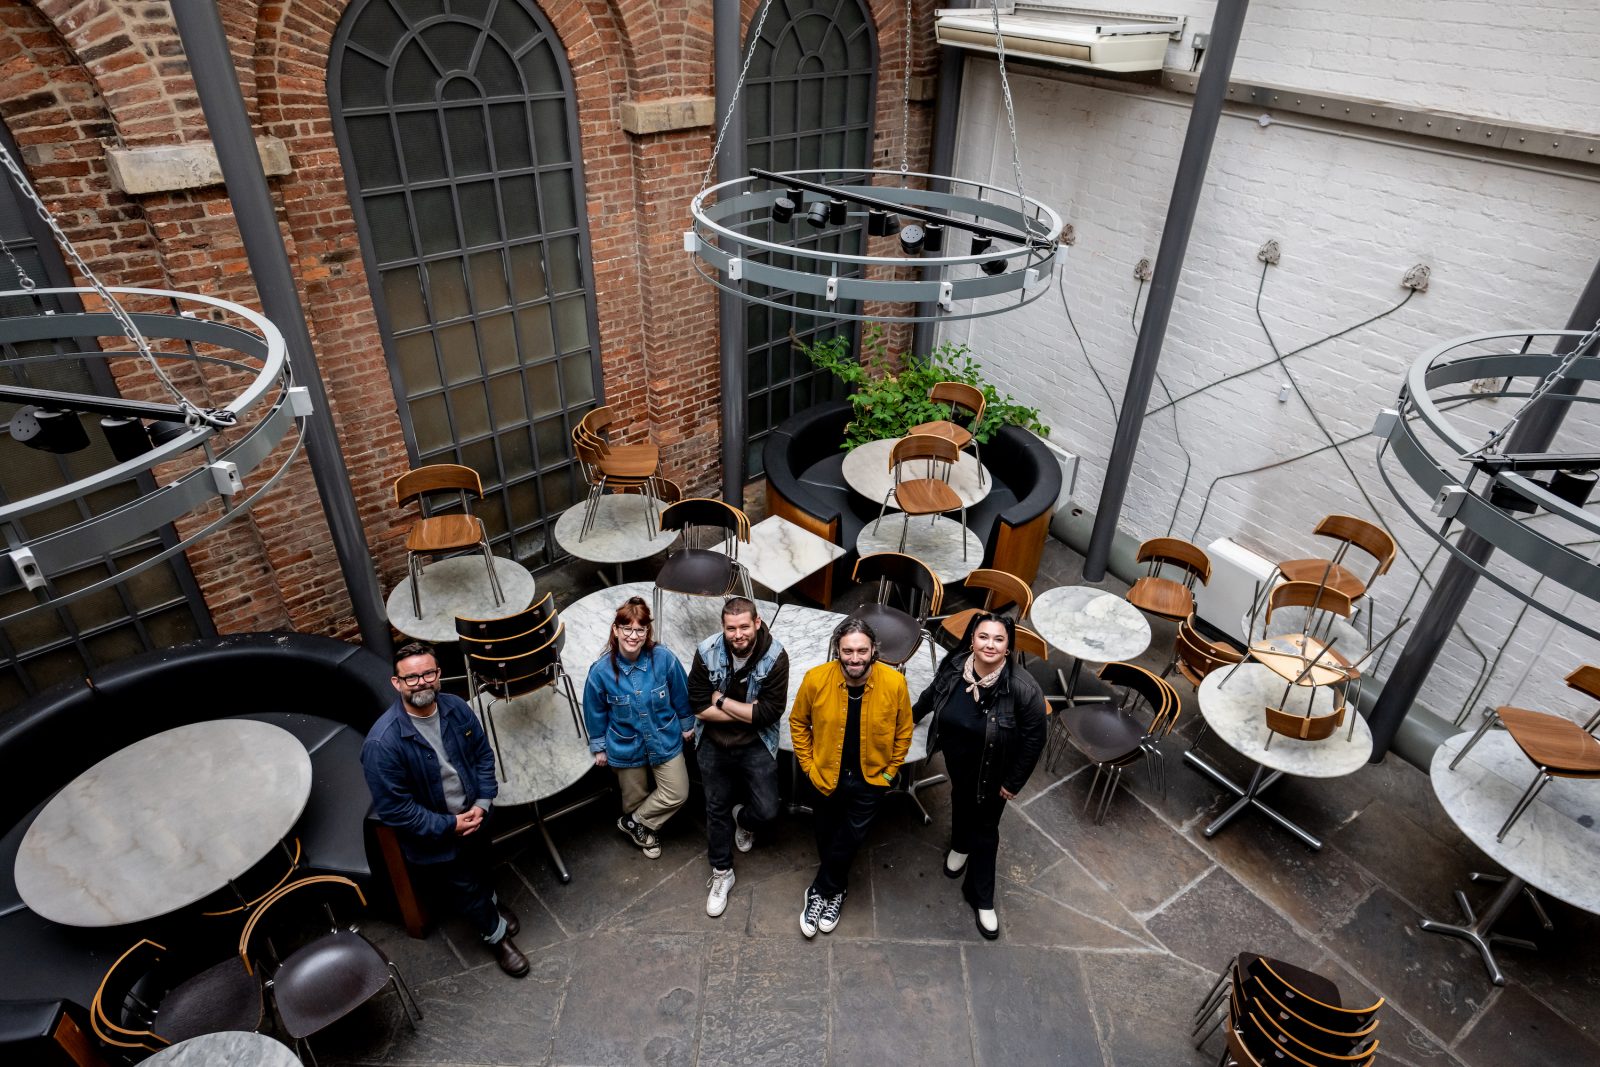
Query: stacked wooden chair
(1273, 1013)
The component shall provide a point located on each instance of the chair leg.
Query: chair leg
(963, 533)
(572, 702)
(1099, 768)
(494, 579)
(1540, 780)
(977, 454)
(416, 584)
(1488, 721)
(408, 1003)
(494, 739)
(905, 527)
(1110, 791)
(883, 509)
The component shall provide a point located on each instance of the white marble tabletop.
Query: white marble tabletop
(540, 749)
(230, 1048)
(866, 470)
(936, 542)
(1089, 624)
(623, 530)
(804, 631)
(1236, 712)
(1348, 641)
(458, 586)
(1554, 846)
(163, 823)
(781, 554)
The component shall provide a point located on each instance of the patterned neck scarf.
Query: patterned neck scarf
(975, 683)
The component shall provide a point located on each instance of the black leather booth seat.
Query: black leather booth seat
(805, 484)
(325, 692)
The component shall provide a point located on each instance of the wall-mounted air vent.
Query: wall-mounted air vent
(1073, 36)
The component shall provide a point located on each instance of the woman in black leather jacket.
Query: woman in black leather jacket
(989, 719)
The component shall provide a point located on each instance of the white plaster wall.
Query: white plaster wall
(1508, 248)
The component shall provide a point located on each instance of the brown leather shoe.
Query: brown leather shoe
(509, 957)
(513, 926)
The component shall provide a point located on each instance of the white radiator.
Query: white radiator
(1236, 578)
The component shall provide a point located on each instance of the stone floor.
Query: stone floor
(1111, 935)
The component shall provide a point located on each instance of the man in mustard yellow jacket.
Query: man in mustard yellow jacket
(852, 728)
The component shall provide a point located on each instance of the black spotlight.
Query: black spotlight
(836, 211)
(817, 214)
(992, 267)
(49, 431)
(126, 435)
(933, 237)
(881, 223)
(1573, 486)
(980, 245)
(911, 239)
(166, 430)
(782, 209)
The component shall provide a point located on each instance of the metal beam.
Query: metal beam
(727, 34)
(1533, 433)
(1207, 111)
(942, 160)
(217, 85)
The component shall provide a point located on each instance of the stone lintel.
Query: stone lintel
(168, 168)
(667, 114)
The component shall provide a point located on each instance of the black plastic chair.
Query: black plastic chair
(143, 1003)
(696, 568)
(900, 631)
(488, 641)
(328, 975)
(1115, 735)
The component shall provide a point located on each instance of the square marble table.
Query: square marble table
(781, 554)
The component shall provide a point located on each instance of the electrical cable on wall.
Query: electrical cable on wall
(1061, 286)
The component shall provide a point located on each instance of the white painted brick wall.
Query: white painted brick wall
(1508, 247)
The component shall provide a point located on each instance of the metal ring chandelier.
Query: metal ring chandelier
(206, 474)
(1012, 253)
(1442, 462)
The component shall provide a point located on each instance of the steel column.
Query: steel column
(1533, 433)
(727, 32)
(946, 120)
(217, 85)
(1186, 186)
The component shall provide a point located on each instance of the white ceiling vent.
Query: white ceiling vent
(1075, 37)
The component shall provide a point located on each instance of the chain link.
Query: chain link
(23, 279)
(905, 106)
(1548, 382)
(733, 104)
(1011, 114)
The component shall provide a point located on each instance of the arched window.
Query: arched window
(456, 124)
(809, 103)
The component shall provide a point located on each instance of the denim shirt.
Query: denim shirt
(638, 713)
(713, 652)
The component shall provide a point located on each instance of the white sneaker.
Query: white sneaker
(829, 918)
(988, 923)
(811, 912)
(743, 839)
(720, 882)
(954, 863)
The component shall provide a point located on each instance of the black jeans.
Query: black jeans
(463, 883)
(842, 819)
(725, 774)
(974, 824)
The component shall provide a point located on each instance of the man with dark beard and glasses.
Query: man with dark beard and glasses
(738, 686)
(852, 729)
(431, 773)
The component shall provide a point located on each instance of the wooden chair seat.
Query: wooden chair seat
(926, 496)
(1339, 578)
(442, 533)
(639, 453)
(1557, 744)
(960, 436)
(615, 466)
(1162, 596)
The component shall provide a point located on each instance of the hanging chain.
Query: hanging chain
(194, 416)
(1011, 115)
(905, 106)
(733, 104)
(1546, 383)
(23, 279)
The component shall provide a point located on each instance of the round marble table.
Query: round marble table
(1554, 846)
(1235, 710)
(866, 470)
(163, 823)
(623, 531)
(458, 586)
(937, 542)
(1088, 624)
(230, 1048)
(540, 751)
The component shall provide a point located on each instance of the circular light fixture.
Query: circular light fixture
(782, 209)
(818, 214)
(880, 223)
(911, 239)
(48, 430)
(995, 267)
(837, 211)
(933, 237)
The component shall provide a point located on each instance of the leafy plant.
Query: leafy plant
(889, 392)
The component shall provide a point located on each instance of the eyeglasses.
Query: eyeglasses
(632, 631)
(419, 679)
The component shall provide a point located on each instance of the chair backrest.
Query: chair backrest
(1031, 644)
(669, 491)
(706, 511)
(1330, 1015)
(1269, 1035)
(434, 478)
(925, 446)
(1197, 656)
(109, 1008)
(1353, 1028)
(960, 395)
(507, 675)
(529, 618)
(266, 907)
(1004, 589)
(1372, 539)
(1303, 727)
(1586, 680)
(1176, 552)
(598, 420)
(907, 572)
(1155, 692)
(1317, 598)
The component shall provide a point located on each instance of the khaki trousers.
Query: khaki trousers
(650, 808)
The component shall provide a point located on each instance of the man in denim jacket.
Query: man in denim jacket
(738, 687)
(431, 773)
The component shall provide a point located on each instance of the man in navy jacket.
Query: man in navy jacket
(431, 772)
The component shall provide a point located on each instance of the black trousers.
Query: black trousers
(842, 819)
(974, 823)
(726, 774)
(463, 885)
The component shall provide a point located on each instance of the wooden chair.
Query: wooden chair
(1115, 735)
(292, 854)
(597, 424)
(900, 631)
(142, 1004)
(1554, 744)
(433, 534)
(1239, 969)
(1194, 655)
(606, 475)
(1296, 1001)
(927, 495)
(498, 655)
(961, 397)
(1158, 595)
(1304, 726)
(1349, 532)
(1030, 644)
(707, 561)
(1002, 591)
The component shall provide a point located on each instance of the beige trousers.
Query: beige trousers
(651, 808)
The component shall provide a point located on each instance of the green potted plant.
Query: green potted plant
(889, 393)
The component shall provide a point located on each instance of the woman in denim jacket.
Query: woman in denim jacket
(636, 707)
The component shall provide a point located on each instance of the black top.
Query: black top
(963, 721)
(769, 702)
(851, 759)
